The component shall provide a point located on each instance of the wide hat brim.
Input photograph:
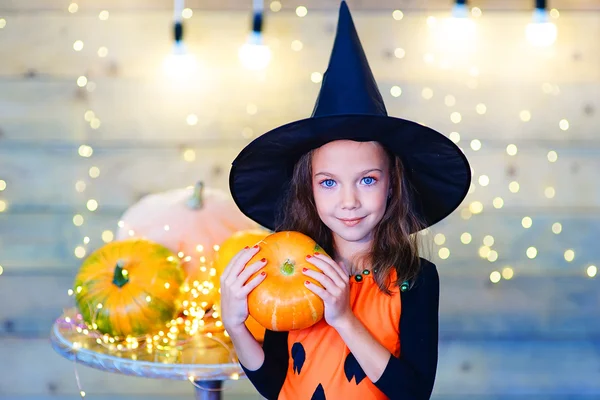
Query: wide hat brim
(437, 170)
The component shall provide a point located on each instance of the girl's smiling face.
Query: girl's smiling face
(351, 184)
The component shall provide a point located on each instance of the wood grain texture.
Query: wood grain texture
(481, 369)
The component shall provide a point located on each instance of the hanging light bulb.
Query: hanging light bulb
(540, 32)
(179, 64)
(254, 54)
(460, 26)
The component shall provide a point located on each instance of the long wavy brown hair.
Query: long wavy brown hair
(393, 244)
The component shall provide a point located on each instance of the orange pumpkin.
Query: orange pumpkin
(282, 302)
(190, 222)
(230, 248)
(128, 287)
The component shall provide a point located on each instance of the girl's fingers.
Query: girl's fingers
(248, 272)
(236, 266)
(322, 293)
(254, 282)
(323, 279)
(320, 262)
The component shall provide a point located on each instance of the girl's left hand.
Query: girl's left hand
(336, 283)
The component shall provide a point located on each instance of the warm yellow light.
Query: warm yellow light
(94, 172)
(251, 108)
(484, 180)
(569, 255)
(297, 45)
(301, 11)
(488, 240)
(507, 273)
(556, 228)
(316, 77)
(495, 277)
(439, 239)
(526, 222)
(191, 119)
(481, 108)
(444, 253)
(563, 124)
(476, 207)
(80, 186)
(465, 238)
(148, 299)
(475, 144)
(189, 155)
(2, 23)
(73, 7)
(455, 137)
(498, 202)
(592, 271)
(92, 205)
(102, 52)
(82, 81)
(396, 91)
(449, 100)
(465, 213)
(513, 186)
(397, 15)
(3, 206)
(476, 12)
(511, 150)
(429, 58)
(455, 117)
(187, 13)
(484, 251)
(275, 6)
(549, 192)
(95, 122)
(107, 236)
(552, 156)
(78, 45)
(427, 93)
(2, 185)
(525, 116)
(1, 270)
(85, 151)
(492, 256)
(77, 220)
(399, 52)
(103, 15)
(531, 252)
(79, 252)
(431, 21)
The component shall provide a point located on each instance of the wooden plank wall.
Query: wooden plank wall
(490, 333)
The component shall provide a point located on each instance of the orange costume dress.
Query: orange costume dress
(315, 363)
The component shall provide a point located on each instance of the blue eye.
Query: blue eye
(328, 183)
(369, 180)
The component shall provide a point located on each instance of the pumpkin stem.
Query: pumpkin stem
(197, 199)
(288, 267)
(120, 277)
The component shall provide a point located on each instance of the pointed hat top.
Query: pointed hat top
(348, 85)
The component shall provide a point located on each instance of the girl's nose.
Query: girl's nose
(349, 199)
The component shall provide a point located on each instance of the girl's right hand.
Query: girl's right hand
(235, 290)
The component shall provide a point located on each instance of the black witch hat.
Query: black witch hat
(350, 107)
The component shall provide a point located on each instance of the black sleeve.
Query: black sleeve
(411, 377)
(269, 378)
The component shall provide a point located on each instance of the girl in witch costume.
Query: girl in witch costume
(361, 184)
